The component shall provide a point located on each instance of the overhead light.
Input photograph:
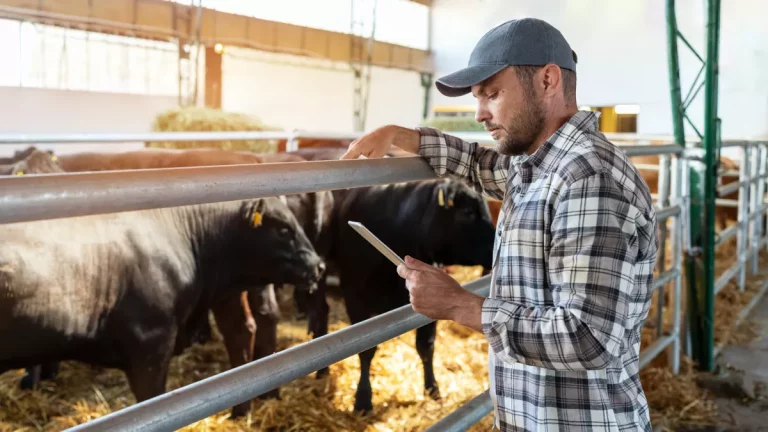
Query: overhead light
(218, 48)
(627, 109)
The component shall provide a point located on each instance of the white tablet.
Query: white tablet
(372, 239)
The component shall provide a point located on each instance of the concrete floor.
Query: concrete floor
(742, 384)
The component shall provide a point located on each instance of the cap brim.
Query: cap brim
(460, 82)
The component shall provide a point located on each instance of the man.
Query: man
(576, 239)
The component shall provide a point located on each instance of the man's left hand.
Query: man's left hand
(437, 295)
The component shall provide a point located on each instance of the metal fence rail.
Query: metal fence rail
(291, 137)
(204, 398)
(466, 415)
(51, 196)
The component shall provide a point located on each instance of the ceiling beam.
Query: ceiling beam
(170, 21)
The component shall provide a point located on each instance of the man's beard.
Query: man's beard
(521, 132)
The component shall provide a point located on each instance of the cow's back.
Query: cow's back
(154, 159)
(67, 281)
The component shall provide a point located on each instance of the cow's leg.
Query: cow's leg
(425, 345)
(266, 312)
(364, 393)
(37, 373)
(301, 302)
(205, 333)
(237, 327)
(318, 316)
(148, 366)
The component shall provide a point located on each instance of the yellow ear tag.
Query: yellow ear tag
(450, 203)
(256, 219)
(20, 173)
(54, 158)
(440, 198)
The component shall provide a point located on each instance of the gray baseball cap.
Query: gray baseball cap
(519, 42)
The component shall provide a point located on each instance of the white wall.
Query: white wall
(297, 93)
(621, 47)
(36, 110)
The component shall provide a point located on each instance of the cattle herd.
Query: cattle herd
(130, 290)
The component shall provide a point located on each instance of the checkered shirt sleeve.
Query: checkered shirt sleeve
(484, 169)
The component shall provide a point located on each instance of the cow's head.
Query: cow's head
(461, 226)
(313, 211)
(272, 246)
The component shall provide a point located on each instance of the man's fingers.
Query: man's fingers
(352, 153)
(416, 264)
(404, 272)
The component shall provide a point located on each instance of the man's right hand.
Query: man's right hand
(377, 143)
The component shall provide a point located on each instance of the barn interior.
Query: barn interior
(127, 111)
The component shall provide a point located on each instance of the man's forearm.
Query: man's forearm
(408, 140)
(469, 311)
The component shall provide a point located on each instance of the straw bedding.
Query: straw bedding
(81, 393)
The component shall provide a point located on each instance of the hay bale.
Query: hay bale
(196, 119)
(455, 124)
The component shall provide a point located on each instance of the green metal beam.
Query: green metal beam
(700, 259)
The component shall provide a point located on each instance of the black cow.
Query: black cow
(247, 322)
(122, 290)
(440, 221)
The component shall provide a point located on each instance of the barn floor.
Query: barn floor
(81, 393)
(741, 385)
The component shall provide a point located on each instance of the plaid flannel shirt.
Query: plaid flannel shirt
(572, 277)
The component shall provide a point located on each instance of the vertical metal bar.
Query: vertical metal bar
(677, 240)
(755, 204)
(685, 213)
(711, 145)
(661, 260)
(742, 241)
(762, 189)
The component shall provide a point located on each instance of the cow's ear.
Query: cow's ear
(444, 198)
(257, 213)
(451, 194)
(256, 219)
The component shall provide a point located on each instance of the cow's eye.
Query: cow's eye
(284, 232)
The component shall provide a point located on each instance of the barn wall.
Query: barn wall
(622, 53)
(37, 110)
(297, 93)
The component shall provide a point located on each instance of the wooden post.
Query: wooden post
(213, 77)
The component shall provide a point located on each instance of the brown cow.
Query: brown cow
(317, 143)
(154, 158)
(723, 215)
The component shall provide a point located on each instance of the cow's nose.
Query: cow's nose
(321, 268)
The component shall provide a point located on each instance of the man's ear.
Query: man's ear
(552, 77)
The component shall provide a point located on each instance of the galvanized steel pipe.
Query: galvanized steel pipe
(64, 138)
(466, 415)
(51, 196)
(204, 398)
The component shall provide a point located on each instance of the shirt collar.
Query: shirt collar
(549, 154)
